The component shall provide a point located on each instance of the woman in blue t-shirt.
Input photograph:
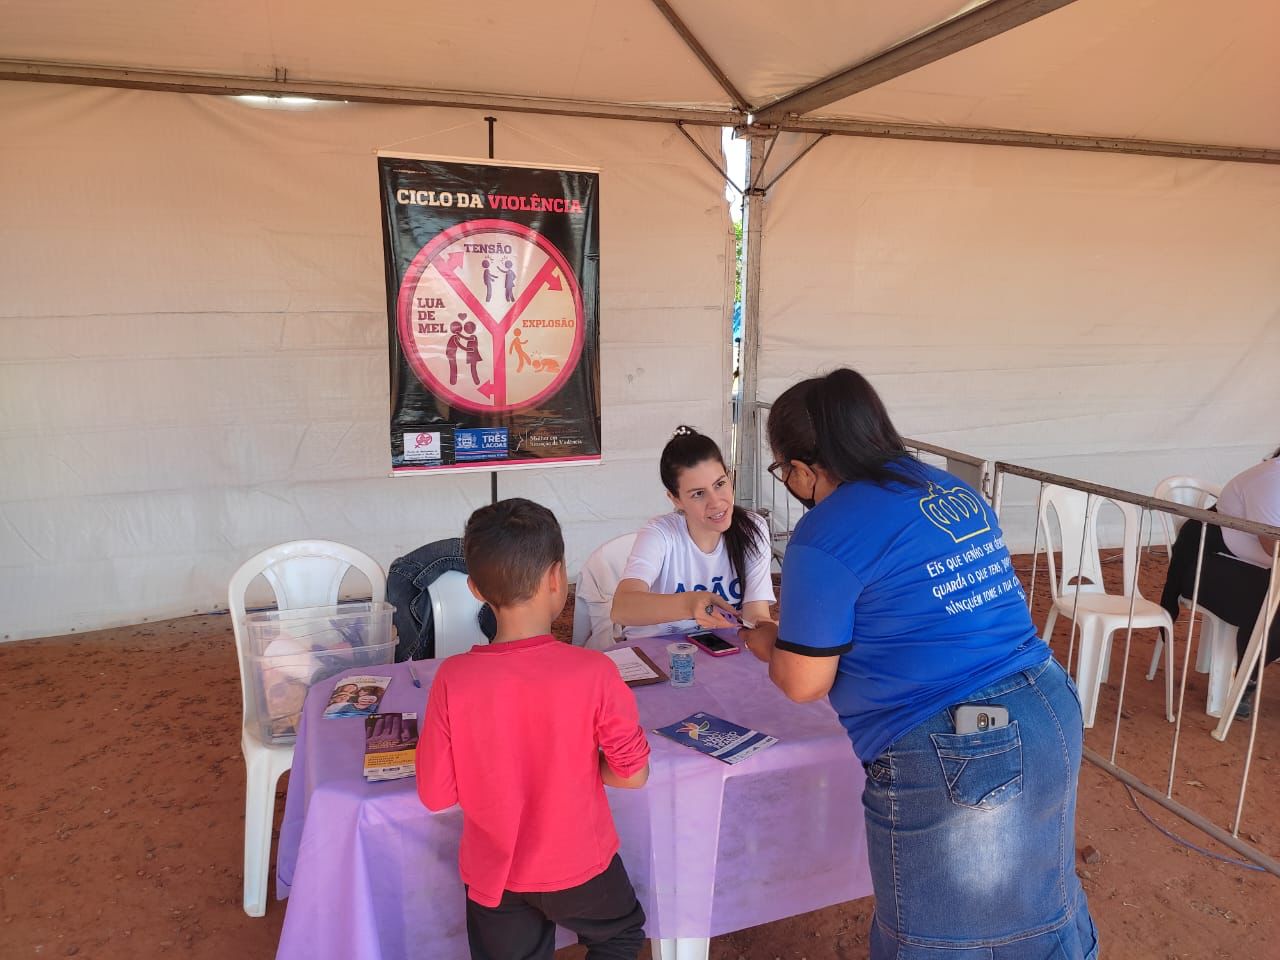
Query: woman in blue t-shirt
(900, 604)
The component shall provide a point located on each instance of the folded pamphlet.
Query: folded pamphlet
(717, 738)
(356, 696)
(390, 746)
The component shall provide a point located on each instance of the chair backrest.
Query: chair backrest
(593, 596)
(1074, 524)
(1188, 491)
(1132, 537)
(301, 573)
(455, 613)
(1079, 540)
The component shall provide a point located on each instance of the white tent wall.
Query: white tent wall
(1115, 318)
(193, 359)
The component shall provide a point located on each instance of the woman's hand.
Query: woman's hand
(709, 609)
(760, 639)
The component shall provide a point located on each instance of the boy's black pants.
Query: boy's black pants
(603, 912)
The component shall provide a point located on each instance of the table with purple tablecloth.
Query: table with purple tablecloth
(711, 848)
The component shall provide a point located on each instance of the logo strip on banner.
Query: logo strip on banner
(493, 313)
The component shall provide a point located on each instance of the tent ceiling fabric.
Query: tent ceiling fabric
(612, 50)
(1147, 69)
(604, 50)
(1176, 70)
(820, 37)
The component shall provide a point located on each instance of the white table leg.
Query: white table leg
(682, 948)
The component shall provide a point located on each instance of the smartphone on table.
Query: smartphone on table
(980, 717)
(714, 645)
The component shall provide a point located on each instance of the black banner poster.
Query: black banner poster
(493, 288)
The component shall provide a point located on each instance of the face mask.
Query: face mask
(807, 502)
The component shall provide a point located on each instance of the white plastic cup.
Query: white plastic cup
(681, 663)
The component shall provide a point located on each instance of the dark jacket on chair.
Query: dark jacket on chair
(409, 590)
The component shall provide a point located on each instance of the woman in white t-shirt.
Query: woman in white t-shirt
(1235, 567)
(708, 558)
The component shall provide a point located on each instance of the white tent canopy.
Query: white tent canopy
(193, 327)
(1174, 70)
(1146, 69)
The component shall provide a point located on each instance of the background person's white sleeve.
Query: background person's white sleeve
(647, 556)
(1264, 503)
(759, 584)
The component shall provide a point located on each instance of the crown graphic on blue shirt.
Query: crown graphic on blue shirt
(955, 511)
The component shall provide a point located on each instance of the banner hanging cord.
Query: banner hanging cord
(587, 161)
(426, 136)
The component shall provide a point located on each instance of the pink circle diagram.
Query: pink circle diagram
(490, 316)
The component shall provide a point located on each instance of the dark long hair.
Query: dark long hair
(688, 448)
(839, 423)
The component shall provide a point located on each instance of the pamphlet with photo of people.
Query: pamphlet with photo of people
(356, 696)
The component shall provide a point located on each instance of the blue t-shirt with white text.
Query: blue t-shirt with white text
(913, 588)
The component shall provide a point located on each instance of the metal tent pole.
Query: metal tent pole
(748, 469)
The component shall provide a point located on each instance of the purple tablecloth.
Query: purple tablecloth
(372, 875)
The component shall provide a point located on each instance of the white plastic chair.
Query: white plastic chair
(1216, 656)
(593, 625)
(1216, 649)
(1098, 614)
(302, 573)
(455, 613)
(1189, 492)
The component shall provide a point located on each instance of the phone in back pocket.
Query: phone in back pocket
(980, 717)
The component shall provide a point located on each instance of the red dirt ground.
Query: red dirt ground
(123, 786)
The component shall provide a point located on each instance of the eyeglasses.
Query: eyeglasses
(780, 470)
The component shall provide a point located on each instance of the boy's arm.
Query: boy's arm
(437, 787)
(624, 750)
(632, 782)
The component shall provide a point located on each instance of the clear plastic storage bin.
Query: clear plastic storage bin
(288, 650)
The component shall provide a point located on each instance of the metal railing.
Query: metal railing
(771, 499)
(1253, 660)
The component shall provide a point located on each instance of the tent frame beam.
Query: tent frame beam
(699, 51)
(959, 33)
(1028, 138)
(280, 85)
(224, 85)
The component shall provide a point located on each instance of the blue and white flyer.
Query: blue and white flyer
(717, 738)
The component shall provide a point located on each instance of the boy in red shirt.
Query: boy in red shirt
(524, 733)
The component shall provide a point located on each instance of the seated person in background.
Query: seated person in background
(524, 733)
(707, 558)
(1237, 566)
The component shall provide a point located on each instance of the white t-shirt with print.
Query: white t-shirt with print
(668, 561)
(1252, 495)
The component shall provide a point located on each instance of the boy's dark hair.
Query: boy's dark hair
(508, 547)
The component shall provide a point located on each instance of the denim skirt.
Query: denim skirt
(972, 836)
